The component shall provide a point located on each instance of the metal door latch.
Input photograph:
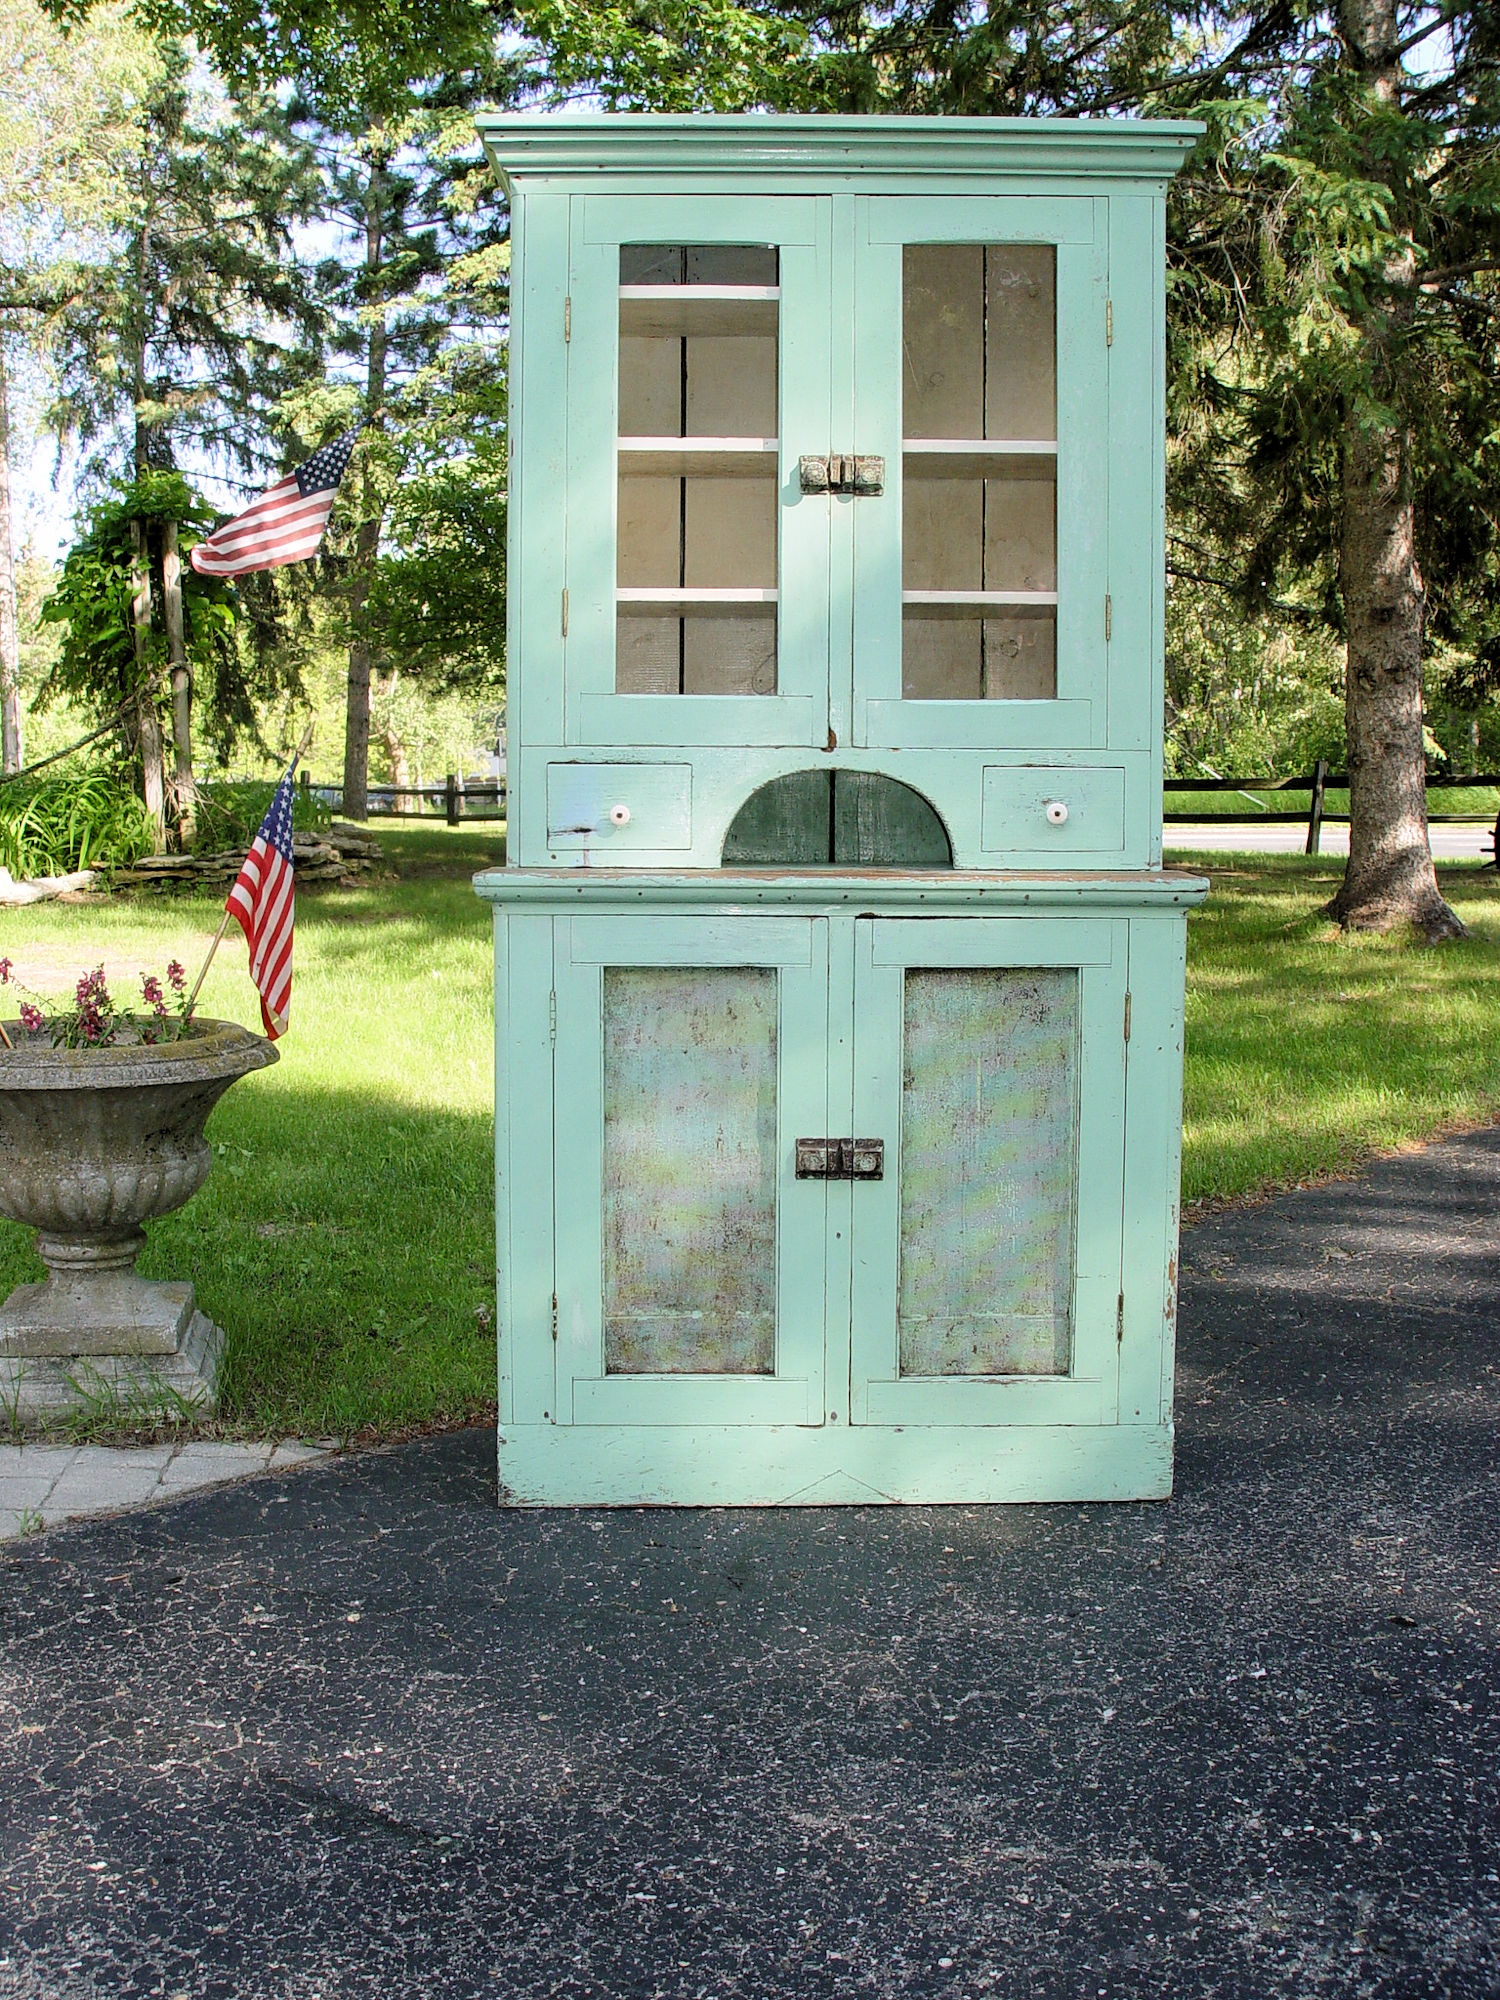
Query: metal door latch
(840, 1159)
(842, 472)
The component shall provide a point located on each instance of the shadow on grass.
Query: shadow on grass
(347, 1248)
(1307, 1049)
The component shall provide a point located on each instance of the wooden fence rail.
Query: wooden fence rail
(455, 799)
(458, 799)
(1317, 782)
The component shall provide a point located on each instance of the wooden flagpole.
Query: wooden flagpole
(224, 920)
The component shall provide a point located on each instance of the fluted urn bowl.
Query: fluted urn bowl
(94, 1143)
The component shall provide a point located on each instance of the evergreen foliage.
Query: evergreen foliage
(95, 666)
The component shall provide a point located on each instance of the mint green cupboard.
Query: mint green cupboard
(839, 986)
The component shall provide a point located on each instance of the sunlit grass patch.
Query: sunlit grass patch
(1308, 1050)
(345, 1239)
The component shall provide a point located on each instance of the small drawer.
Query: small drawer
(616, 807)
(1053, 809)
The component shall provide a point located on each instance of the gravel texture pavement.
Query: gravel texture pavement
(356, 1732)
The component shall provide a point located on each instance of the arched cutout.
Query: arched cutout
(836, 819)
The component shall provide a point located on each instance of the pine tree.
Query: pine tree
(414, 319)
(167, 334)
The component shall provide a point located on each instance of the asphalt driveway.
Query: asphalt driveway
(352, 1731)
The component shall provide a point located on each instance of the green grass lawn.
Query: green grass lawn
(1306, 1050)
(345, 1236)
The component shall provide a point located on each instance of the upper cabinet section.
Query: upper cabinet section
(827, 444)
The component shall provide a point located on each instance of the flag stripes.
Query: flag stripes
(285, 524)
(263, 903)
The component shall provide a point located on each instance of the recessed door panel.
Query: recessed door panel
(690, 1054)
(989, 1163)
(690, 1170)
(989, 1057)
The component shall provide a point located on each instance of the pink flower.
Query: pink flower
(4, 972)
(152, 993)
(176, 977)
(31, 1018)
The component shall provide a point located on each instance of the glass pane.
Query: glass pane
(989, 1161)
(979, 471)
(697, 505)
(690, 1170)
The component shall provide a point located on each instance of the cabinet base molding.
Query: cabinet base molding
(549, 1465)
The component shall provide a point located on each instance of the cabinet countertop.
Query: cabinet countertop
(837, 888)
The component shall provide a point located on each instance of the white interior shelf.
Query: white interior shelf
(698, 309)
(739, 457)
(671, 599)
(960, 603)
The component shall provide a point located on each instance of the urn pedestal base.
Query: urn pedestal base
(115, 1346)
(93, 1144)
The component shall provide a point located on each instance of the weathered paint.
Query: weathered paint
(838, 819)
(689, 1170)
(830, 901)
(989, 1134)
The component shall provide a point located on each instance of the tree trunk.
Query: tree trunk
(184, 789)
(148, 728)
(361, 654)
(367, 541)
(10, 645)
(395, 746)
(1390, 879)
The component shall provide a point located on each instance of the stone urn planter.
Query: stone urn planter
(94, 1143)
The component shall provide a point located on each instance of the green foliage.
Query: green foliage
(672, 55)
(230, 811)
(172, 329)
(1335, 247)
(91, 603)
(56, 825)
(1247, 696)
(438, 594)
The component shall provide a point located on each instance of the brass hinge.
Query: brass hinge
(565, 614)
(1119, 1322)
(1109, 322)
(552, 1019)
(1127, 1014)
(567, 319)
(554, 1315)
(1109, 617)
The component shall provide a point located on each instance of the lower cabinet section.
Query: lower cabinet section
(820, 1205)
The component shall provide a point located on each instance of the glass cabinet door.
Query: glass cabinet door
(698, 371)
(980, 379)
(989, 1057)
(690, 1264)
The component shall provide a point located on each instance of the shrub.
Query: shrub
(230, 811)
(87, 819)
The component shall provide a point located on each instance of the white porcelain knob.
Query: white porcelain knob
(619, 815)
(1057, 812)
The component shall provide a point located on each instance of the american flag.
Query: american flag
(262, 900)
(285, 524)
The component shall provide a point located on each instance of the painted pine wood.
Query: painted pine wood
(689, 1170)
(781, 857)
